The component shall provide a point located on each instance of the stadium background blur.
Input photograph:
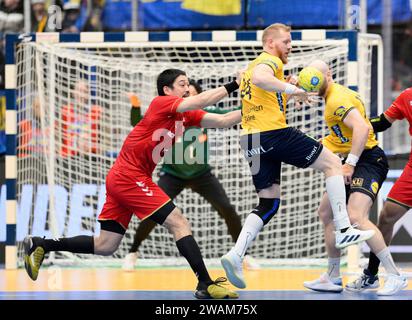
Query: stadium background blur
(392, 19)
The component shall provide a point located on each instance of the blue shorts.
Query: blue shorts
(370, 173)
(265, 152)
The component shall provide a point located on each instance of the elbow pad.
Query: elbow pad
(380, 123)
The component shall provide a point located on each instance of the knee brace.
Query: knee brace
(266, 209)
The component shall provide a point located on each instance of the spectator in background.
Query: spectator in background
(11, 21)
(11, 16)
(80, 158)
(39, 16)
(83, 15)
(71, 14)
(80, 123)
(32, 142)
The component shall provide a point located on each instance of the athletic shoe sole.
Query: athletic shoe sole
(324, 290)
(27, 265)
(347, 244)
(231, 273)
(404, 285)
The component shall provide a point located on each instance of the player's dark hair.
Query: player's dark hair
(166, 78)
(196, 85)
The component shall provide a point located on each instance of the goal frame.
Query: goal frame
(128, 37)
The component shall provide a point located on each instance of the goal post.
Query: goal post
(71, 91)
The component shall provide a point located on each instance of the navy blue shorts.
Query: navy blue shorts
(370, 173)
(265, 152)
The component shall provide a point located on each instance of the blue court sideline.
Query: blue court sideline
(188, 295)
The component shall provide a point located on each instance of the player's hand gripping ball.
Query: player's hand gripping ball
(310, 79)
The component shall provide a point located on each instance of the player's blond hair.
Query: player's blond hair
(273, 30)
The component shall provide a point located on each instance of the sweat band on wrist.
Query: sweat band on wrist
(352, 160)
(231, 86)
(290, 88)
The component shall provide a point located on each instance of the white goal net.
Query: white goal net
(74, 114)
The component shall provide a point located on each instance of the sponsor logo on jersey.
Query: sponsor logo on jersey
(312, 153)
(357, 182)
(144, 188)
(374, 187)
(339, 112)
(256, 151)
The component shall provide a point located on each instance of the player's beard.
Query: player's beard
(323, 89)
(284, 57)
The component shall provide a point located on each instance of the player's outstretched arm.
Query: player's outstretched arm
(264, 78)
(381, 123)
(209, 97)
(204, 99)
(227, 120)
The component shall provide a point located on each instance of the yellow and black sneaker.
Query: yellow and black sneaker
(33, 255)
(215, 290)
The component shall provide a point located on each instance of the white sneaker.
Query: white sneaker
(232, 263)
(325, 284)
(352, 236)
(250, 263)
(364, 282)
(129, 261)
(393, 284)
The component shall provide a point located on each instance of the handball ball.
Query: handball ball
(310, 79)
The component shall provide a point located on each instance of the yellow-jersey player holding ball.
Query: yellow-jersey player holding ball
(364, 168)
(267, 141)
(264, 110)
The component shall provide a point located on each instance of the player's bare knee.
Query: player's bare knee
(107, 242)
(333, 165)
(387, 217)
(176, 222)
(329, 163)
(356, 217)
(105, 246)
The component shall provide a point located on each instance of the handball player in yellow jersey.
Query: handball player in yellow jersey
(267, 141)
(364, 168)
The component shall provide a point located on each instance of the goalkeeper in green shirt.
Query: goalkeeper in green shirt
(178, 175)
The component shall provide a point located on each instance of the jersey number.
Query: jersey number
(246, 89)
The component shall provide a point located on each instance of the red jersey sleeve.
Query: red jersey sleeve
(193, 118)
(398, 107)
(166, 104)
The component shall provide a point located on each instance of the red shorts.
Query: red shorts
(401, 191)
(131, 194)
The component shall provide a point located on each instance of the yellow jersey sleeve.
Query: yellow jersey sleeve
(340, 112)
(271, 63)
(262, 110)
(340, 101)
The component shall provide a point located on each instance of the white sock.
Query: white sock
(251, 228)
(334, 267)
(335, 187)
(386, 259)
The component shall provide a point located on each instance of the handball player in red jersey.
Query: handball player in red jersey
(399, 199)
(130, 189)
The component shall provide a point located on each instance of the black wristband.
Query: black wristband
(380, 123)
(231, 86)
